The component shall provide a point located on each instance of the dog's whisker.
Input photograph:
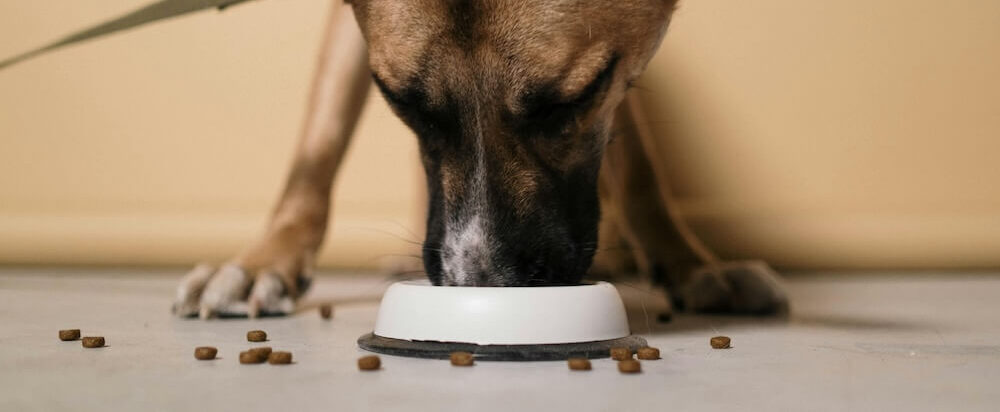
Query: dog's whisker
(383, 255)
(394, 235)
(408, 231)
(644, 293)
(400, 276)
(432, 249)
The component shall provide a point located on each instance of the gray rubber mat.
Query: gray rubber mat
(547, 352)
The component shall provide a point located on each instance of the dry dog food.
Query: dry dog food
(648, 353)
(250, 356)
(461, 359)
(665, 317)
(369, 363)
(279, 358)
(620, 354)
(205, 353)
(69, 334)
(629, 366)
(326, 311)
(93, 341)
(256, 336)
(263, 351)
(579, 364)
(720, 342)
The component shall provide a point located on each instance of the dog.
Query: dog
(523, 114)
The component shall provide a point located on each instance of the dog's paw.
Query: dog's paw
(737, 287)
(232, 291)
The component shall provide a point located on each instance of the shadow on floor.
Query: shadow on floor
(647, 309)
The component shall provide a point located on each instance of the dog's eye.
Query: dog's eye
(545, 111)
(411, 106)
(392, 97)
(597, 85)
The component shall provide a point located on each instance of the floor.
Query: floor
(854, 342)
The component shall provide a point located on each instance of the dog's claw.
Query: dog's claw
(189, 290)
(231, 292)
(253, 308)
(230, 284)
(269, 296)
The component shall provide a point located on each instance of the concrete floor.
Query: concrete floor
(854, 342)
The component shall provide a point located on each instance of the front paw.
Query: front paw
(233, 291)
(750, 287)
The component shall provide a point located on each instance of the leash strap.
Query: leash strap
(160, 10)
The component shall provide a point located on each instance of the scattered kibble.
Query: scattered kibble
(69, 334)
(621, 353)
(326, 311)
(251, 357)
(579, 364)
(93, 341)
(629, 366)
(720, 342)
(256, 336)
(279, 358)
(648, 353)
(205, 353)
(369, 363)
(263, 351)
(462, 359)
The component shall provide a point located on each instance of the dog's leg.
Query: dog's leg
(268, 276)
(667, 249)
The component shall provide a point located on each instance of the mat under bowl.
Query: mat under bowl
(547, 352)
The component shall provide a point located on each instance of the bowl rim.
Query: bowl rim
(418, 311)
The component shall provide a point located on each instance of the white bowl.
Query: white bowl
(417, 310)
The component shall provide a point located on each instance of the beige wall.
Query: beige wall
(836, 133)
(815, 134)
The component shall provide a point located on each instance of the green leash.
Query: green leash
(160, 10)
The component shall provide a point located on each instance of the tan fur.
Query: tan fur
(298, 223)
(513, 46)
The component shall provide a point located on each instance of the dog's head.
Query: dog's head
(512, 102)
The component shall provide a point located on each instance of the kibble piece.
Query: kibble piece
(369, 363)
(621, 353)
(279, 358)
(205, 353)
(579, 364)
(665, 317)
(69, 334)
(249, 357)
(629, 366)
(93, 341)
(326, 311)
(256, 336)
(263, 351)
(648, 353)
(462, 359)
(720, 342)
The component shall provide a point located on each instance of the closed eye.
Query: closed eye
(588, 93)
(545, 111)
(392, 97)
(411, 105)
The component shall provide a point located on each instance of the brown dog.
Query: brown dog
(513, 103)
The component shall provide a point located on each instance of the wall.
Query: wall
(836, 133)
(169, 144)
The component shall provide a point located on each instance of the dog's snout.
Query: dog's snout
(488, 259)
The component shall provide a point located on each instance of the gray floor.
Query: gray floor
(854, 342)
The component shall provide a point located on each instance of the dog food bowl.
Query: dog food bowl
(500, 323)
